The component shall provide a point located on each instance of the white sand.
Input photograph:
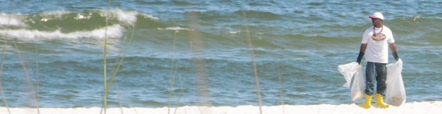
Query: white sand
(427, 107)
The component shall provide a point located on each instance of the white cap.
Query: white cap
(377, 15)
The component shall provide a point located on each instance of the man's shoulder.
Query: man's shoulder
(387, 29)
(369, 29)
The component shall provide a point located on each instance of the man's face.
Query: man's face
(376, 21)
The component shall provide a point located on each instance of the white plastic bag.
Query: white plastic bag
(395, 93)
(358, 86)
(353, 69)
(348, 70)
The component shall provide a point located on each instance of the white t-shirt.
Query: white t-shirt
(377, 47)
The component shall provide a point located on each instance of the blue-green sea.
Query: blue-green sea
(196, 52)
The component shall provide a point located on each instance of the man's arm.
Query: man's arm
(361, 53)
(393, 51)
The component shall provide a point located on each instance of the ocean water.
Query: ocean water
(180, 52)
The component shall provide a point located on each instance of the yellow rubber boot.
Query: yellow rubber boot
(367, 103)
(380, 101)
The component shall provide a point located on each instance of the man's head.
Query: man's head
(376, 19)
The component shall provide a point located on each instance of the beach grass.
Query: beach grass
(5, 43)
(258, 90)
(23, 65)
(280, 86)
(104, 58)
(28, 78)
(1, 72)
(173, 70)
(115, 70)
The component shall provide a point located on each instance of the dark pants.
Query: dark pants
(378, 72)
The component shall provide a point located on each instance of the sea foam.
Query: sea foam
(113, 31)
(10, 20)
(28, 26)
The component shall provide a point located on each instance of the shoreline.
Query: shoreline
(426, 107)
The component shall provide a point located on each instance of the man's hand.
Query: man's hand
(393, 50)
(361, 54)
(395, 56)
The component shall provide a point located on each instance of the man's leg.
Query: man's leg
(381, 76)
(369, 86)
(381, 71)
(370, 75)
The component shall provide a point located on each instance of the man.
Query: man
(375, 42)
